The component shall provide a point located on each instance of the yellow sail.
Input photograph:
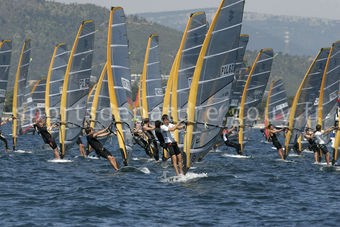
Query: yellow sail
(243, 100)
(266, 115)
(194, 88)
(113, 99)
(96, 97)
(294, 105)
(15, 101)
(336, 144)
(47, 92)
(144, 107)
(63, 102)
(168, 89)
(320, 117)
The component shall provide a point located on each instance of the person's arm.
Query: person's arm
(148, 128)
(176, 126)
(103, 134)
(328, 130)
(276, 130)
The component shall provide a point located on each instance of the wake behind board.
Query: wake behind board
(22, 152)
(288, 161)
(60, 161)
(184, 178)
(236, 156)
(131, 169)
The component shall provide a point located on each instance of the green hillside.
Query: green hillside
(49, 23)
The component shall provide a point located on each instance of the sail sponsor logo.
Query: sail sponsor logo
(227, 69)
(281, 106)
(126, 84)
(60, 90)
(84, 83)
(40, 105)
(316, 102)
(158, 91)
(2, 93)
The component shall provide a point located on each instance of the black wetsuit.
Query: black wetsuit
(275, 141)
(79, 141)
(229, 143)
(45, 135)
(2, 137)
(97, 146)
(313, 146)
(153, 144)
(161, 140)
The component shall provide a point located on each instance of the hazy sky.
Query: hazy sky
(307, 8)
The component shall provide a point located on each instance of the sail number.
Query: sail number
(84, 83)
(281, 106)
(227, 69)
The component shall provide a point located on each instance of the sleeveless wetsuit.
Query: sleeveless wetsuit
(45, 135)
(275, 141)
(97, 146)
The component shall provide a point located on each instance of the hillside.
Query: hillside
(287, 34)
(49, 23)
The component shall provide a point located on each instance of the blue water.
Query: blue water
(225, 191)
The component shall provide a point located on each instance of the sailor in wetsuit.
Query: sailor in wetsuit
(138, 137)
(159, 135)
(147, 129)
(98, 147)
(2, 137)
(309, 135)
(272, 134)
(228, 142)
(40, 127)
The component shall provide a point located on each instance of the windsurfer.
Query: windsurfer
(228, 142)
(40, 127)
(272, 134)
(147, 129)
(159, 135)
(2, 137)
(321, 142)
(309, 135)
(98, 147)
(138, 136)
(167, 130)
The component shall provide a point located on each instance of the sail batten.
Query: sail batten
(77, 78)
(217, 59)
(120, 99)
(19, 89)
(305, 97)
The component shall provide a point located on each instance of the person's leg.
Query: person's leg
(113, 162)
(5, 142)
(281, 153)
(82, 150)
(56, 153)
(316, 156)
(179, 158)
(174, 162)
(156, 150)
